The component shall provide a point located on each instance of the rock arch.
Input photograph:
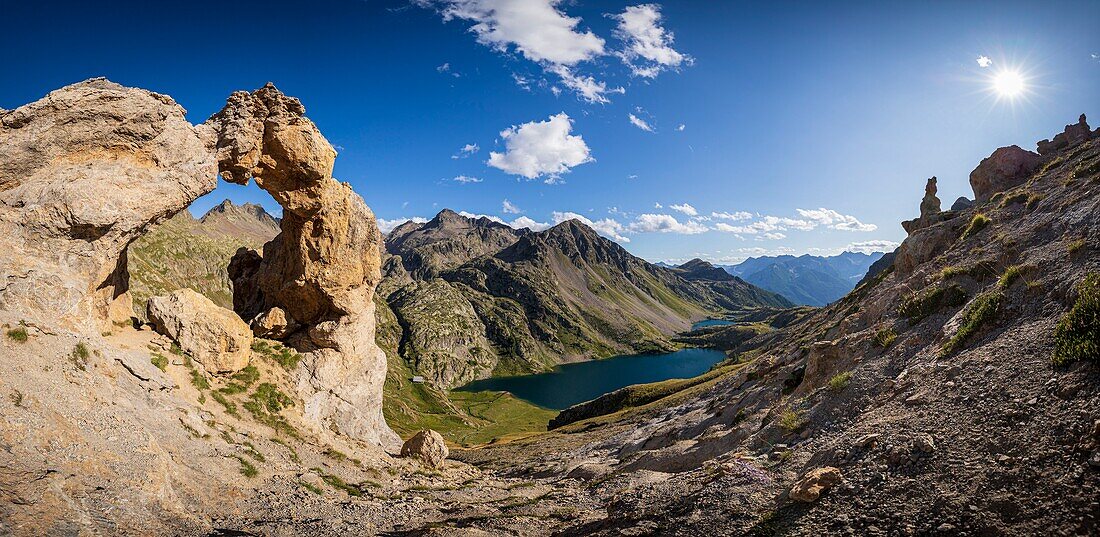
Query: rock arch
(88, 168)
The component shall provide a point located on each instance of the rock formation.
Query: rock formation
(929, 208)
(962, 202)
(428, 447)
(85, 170)
(1072, 135)
(1004, 169)
(816, 481)
(214, 336)
(321, 270)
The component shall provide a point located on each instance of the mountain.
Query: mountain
(475, 298)
(806, 279)
(249, 221)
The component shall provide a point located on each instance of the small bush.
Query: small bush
(1010, 276)
(270, 397)
(16, 398)
(1015, 197)
(230, 407)
(251, 451)
(791, 420)
(175, 349)
(840, 381)
(977, 223)
(885, 337)
(159, 360)
(984, 308)
(337, 483)
(1077, 335)
(199, 381)
(979, 271)
(916, 307)
(247, 469)
(243, 380)
(311, 488)
(79, 356)
(18, 334)
(286, 357)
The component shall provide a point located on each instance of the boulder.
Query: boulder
(814, 482)
(1005, 168)
(214, 336)
(272, 324)
(427, 446)
(83, 172)
(962, 203)
(322, 268)
(1071, 136)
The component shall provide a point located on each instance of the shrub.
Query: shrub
(1010, 276)
(79, 356)
(311, 488)
(230, 407)
(1016, 197)
(198, 380)
(247, 469)
(1077, 335)
(1076, 246)
(270, 397)
(984, 308)
(159, 360)
(977, 223)
(885, 337)
(916, 307)
(840, 381)
(286, 357)
(791, 420)
(18, 334)
(243, 379)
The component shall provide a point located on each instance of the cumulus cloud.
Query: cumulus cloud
(466, 150)
(666, 223)
(835, 220)
(736, 216)
(466, 179)
(587, 88)
(608, 227)
(386, 226)
(984, 61)
(541, 149)
(509, 208)
(640, 123)
(684, 208)
(774, 236)
(524, 222)
(766, 224)
(647, 45)
(681, 127)
(867, 247)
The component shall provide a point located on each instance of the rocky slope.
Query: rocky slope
(476, 298)
(807, 279)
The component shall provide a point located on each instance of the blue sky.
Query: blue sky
(841, 111)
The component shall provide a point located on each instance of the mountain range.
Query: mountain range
(806, 279)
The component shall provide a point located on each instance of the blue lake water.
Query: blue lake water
(710, 322)
(570, 384)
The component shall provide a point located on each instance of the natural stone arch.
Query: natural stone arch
(88, 168)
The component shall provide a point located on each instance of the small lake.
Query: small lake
(570, 384)
(710, 322)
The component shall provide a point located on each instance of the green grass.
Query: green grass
(840, 381)
(981, 311)
(230, 406)
(337, 483)
(159, 360)
(916, 307)
(1077, 335)
(18, 334)
(268, 395)
(251, 451)
(286, 357)
(293, 452)
(311, 488)
(1076, 246)
(1015, 197)
(884, 337)
(79, 356)
(242, 380)
(1010, 276)
(977, 223)
(199, 381)
(247, 468)
(791, 420)
(979, 271)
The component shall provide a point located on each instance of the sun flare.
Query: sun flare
(1008, 84)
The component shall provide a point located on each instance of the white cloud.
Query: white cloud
(766, 224)
(665, 223)
(632, 176)
(835, 220)
(386, 226)
(648, 46)
(640, 123)
(443, 68)
(681, 127)
(465, 179)
(524, 222)
(736, 216)
(774, 236)
(867, 247)
(984, 61)
(541, 148)
(587, 88)
(684, 208)
(607, 227)
(466, 150)
(510, 208)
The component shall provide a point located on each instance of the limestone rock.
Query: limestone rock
(1071, 136)
(83, 172)
(322, 268)
(427, 446)
(1005, 168)
(814, 482)
(272, 324)
(214, 336)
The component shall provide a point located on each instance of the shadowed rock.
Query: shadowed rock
(1004, 169)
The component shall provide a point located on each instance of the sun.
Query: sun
(1008, 84)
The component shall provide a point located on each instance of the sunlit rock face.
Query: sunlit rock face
(83, 172)
(321, 270)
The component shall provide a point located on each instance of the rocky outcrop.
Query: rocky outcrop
(214, 336)
(85, 170)
(272, 324)
(962, 203)
(321, 269)
(816, 481)
(1005, 168)
(926, 239)
(1071, 136)
(428, 447)
(929, 209)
